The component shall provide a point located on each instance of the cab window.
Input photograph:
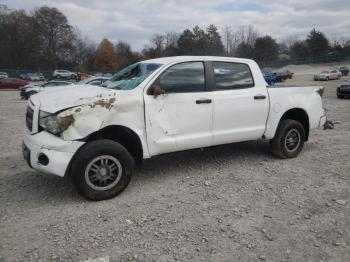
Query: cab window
(229, 75)
(183, 78)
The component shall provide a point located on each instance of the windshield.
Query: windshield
(131, 76)
(324, 72)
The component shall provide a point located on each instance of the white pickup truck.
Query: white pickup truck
(97, 134)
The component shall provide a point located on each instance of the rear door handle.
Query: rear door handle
(203, 101)
(257, 97)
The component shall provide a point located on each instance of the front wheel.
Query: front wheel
(289, 139)
(101, 169)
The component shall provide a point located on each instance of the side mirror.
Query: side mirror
(156, 90)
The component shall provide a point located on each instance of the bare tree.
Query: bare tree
(55, 33)
(228, 39)
(158, 42)
(243, 38)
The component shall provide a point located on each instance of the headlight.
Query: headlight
(53, 123)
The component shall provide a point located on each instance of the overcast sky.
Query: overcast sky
(135, 21)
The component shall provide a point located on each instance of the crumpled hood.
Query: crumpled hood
(57, 99)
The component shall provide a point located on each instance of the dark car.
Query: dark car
(12, 83)
(344, 70)
(344, 90)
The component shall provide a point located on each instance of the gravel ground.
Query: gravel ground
(226, 203)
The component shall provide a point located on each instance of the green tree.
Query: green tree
(317, 42)
(299, 49)
(214, 42)
(265, 49)
(245, 50)
(186, 42)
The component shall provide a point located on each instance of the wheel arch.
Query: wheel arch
(300, 115)
(123, 135)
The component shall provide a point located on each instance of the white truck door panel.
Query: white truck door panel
(179, 120)
(175, 122)
(240, 108)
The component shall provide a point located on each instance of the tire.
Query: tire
(29, 94)
(73, 77)
(327, 78)
(105, 155)
(340, 96)
(58, 76)
(281, 145)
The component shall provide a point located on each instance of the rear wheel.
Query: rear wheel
(289, 139)
(101, 169)
(58, 76)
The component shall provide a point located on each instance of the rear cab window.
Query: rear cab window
(232, 75)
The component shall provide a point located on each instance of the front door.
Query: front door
(181, 118)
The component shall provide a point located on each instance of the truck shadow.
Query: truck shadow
(204, 158)
(35, 189)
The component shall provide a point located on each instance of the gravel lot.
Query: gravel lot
(226, 203)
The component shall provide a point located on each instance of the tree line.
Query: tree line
(44, 40)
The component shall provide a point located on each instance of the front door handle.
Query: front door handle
(257, 97)
(203, 101)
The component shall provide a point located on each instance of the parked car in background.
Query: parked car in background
(82, 76)
(103, 74)
(32, 76)
(29, 90)
(328, 75)
(12, 83)
(284, 74)
(95, 135)
(36, 77)
(270, 78)
(344, 90)
(3, 75)
(23, 76)
(95, 81)
(64, 74)
(344, 70)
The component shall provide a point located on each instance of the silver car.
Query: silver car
(3, 75)
(328, 75)
(64, 74)
(29, 90)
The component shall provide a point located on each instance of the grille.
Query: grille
(29, 118)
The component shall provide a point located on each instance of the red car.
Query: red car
(12, 83)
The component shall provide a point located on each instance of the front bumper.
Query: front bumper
(58, 152)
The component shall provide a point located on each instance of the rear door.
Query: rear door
(181, 118)
(240, 107)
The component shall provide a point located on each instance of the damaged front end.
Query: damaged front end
(78, 121)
